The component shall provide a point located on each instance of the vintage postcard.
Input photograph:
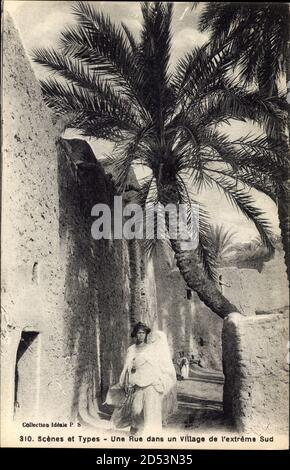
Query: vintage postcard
(145, 225)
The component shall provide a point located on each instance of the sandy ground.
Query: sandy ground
(199, 401)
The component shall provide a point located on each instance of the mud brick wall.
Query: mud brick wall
(67, 299)
(194, 328)
(256, 390)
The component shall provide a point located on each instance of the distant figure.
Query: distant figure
(184, 366)
(222, 284)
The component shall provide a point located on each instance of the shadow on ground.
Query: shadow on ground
(200, 401)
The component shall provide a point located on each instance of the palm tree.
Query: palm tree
(221, 242)
(117, 87)
(257, 35)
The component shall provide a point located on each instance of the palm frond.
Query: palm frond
(124, 155)
(236, 103)
(254, 155)
(257, 36)
(221, 238)
(155, 217)
(269, 157)
(147, 193)
(197, 215)
(153, 60)
(200, 72)
(220, 18)
(250, 178)
(97, 42)
(103, 108)
(245, 203)
(72, 70)
(131, 39)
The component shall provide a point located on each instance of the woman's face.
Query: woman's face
(141, 336)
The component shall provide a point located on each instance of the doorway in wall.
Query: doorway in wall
(27, 375)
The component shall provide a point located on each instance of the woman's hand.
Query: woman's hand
(158, 385)
(124, 386)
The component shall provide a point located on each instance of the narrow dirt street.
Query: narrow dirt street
(199, 401)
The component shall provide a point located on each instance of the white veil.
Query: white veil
(162, 354)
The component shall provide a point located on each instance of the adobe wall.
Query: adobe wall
(254, 291)
(32, 281)
(190, 325)
(256, 367)
(74, 295)
(194, 328)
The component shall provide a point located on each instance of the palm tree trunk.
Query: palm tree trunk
(283, 204)
(189, 263)
(282, 195)
(284, 200)
(196, 278)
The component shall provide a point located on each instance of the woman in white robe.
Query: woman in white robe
(149, 381)
(184, 367)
